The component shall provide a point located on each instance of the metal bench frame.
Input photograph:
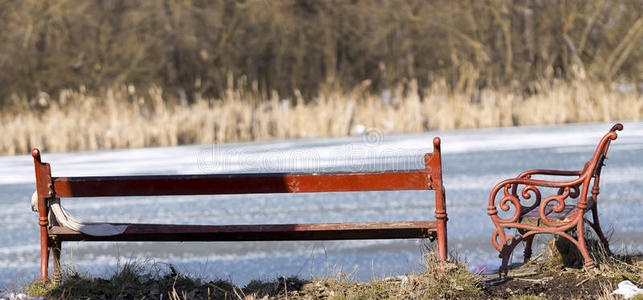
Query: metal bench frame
(550, 213)
(51, 188)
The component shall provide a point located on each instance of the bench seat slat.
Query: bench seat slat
(264, 232)
(239, 183)
(533, 217)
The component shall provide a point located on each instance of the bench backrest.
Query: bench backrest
(598, 161)
(104, 186)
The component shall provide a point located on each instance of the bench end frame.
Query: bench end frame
(44, 188)
(433, 168)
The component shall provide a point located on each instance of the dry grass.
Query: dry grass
(550, 279)
(125, 118)
(449, 280)
(133, 280)
(138, 281)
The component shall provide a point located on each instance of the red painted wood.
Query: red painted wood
(428, 178)
(265, 232)
(43, 189)
(433, 167)
(239, 183)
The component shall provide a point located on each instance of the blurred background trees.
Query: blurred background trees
(195, 47)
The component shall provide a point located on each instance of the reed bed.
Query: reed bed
(124, 118)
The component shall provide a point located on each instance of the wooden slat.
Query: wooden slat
(239, 183)
(272, 232)
(549, 210)
(532, 217)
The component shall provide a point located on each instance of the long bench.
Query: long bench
(51, 189)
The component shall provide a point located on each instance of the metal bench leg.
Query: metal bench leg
(596, 225)
(527, 253)
(56, 248)
(505, 254)
(504, 268)
(589, 263)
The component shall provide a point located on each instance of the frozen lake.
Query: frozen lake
(474, 161)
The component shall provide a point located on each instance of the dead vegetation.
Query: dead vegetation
(549, 278)
(133, 281)
(127, 118)
(80, 75)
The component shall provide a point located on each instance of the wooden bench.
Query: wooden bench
(553, 207)
(51, 189)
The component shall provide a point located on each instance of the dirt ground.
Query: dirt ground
(551, 279)
(565, 284)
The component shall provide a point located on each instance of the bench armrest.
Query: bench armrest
(528, 174)
(517, 190)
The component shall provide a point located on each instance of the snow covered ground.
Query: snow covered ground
(474, 161)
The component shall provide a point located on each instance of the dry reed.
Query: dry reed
(123, 118)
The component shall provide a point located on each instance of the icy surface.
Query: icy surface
(474, 161)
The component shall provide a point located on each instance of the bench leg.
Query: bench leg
(596, 225)
(505, 254)
(589, 263)
(442, 238)
(442, 246)
(504, 268)
(44, 260)
(56, 248)
(527, 253)
(44, 249)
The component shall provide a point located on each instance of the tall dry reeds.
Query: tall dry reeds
(124, 118)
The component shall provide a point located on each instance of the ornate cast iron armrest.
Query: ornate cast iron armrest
(512, 194)
(575, 189)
